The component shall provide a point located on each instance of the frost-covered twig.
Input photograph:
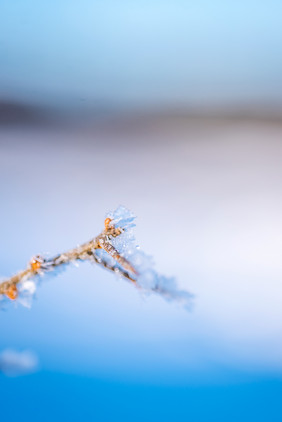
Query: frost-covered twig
(114, 249)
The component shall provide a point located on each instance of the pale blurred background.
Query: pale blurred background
(172, 109)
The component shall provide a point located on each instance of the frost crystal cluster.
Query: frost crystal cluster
(115, 249)
(146, 276)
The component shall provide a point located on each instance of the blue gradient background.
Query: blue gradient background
(172, 109)
(191, 54)
(209, 211)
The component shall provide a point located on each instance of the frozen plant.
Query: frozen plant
(114, 249)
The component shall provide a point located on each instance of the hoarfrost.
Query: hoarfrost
(147, 277)
(115, 248)
(26, 289)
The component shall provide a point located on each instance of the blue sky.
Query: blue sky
(142, 54)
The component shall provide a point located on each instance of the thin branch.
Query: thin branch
(39, 265)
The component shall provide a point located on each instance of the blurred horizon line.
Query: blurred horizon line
(14, 113)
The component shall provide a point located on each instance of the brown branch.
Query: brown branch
(39, 265)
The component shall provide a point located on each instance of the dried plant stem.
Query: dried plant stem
(39, 265)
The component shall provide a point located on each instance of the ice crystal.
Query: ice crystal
(147, 277)
(115, 249)
(26, 289)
